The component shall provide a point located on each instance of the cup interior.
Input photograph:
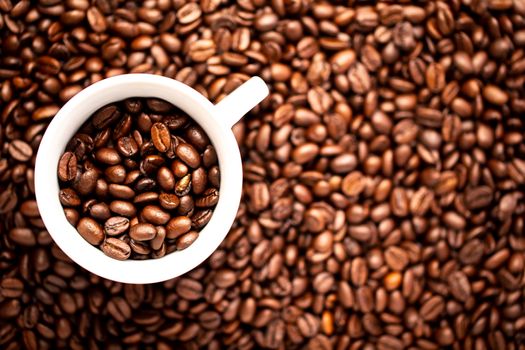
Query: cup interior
(65, 124)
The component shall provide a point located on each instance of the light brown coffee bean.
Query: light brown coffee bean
(90, 230)
(116, 248)
(142, 232)
(160, 135)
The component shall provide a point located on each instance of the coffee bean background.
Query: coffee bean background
(383, 195)
(127, 169)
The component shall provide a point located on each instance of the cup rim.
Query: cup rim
(62, 128)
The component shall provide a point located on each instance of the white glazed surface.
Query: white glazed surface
(215, 120)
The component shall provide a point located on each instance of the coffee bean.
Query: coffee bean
(155, 215)
(459, 286)
(168, 201)
(209, 198)
(69, 198)
(116, 225)
(90, 230)
(123, 208)
(187, 239)
(160, 135)
(396, 258)
(188, 154)
(353, 184)
(106, 116)
(201, 218)
(67, 167)
(107, 156)
(116, 248)
(432, 308)
(422, 100)
(479, 197)
(142, 232)
(121, 191)
(189, 289)
(166, 179)
(20, 150)
(87, 182)
(11, 287)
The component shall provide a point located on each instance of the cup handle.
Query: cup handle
(239, 102)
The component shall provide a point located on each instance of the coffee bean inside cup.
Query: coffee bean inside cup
(139, 179)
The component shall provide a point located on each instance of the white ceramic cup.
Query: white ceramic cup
(216, 120)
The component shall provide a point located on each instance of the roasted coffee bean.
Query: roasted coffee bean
(168, 201)
(123, 208)
(142, 232)
(178, 226)
(188, 154)
(90, 230)
(388, 156)
(116, 225)
(187, 239)
(155, 215)
(209, 198)
(87, 182)
(106, 116)
(201, 218)
(116, 248)
(20, 150)
(11, 287)
(67, 167)
(107, 156)
(160, 135)
(69, 198)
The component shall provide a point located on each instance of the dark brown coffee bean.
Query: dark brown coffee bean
(67, 167)
(106, 116)
(146, 197)
(8, 200)
(90, 230)
(116, 248)
(119, 309)
(471, 252)
(142, 232)
(11, 287)
(396, 258)
(158, 105)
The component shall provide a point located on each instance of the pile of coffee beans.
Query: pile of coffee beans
(383, 203)
(141, 177)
